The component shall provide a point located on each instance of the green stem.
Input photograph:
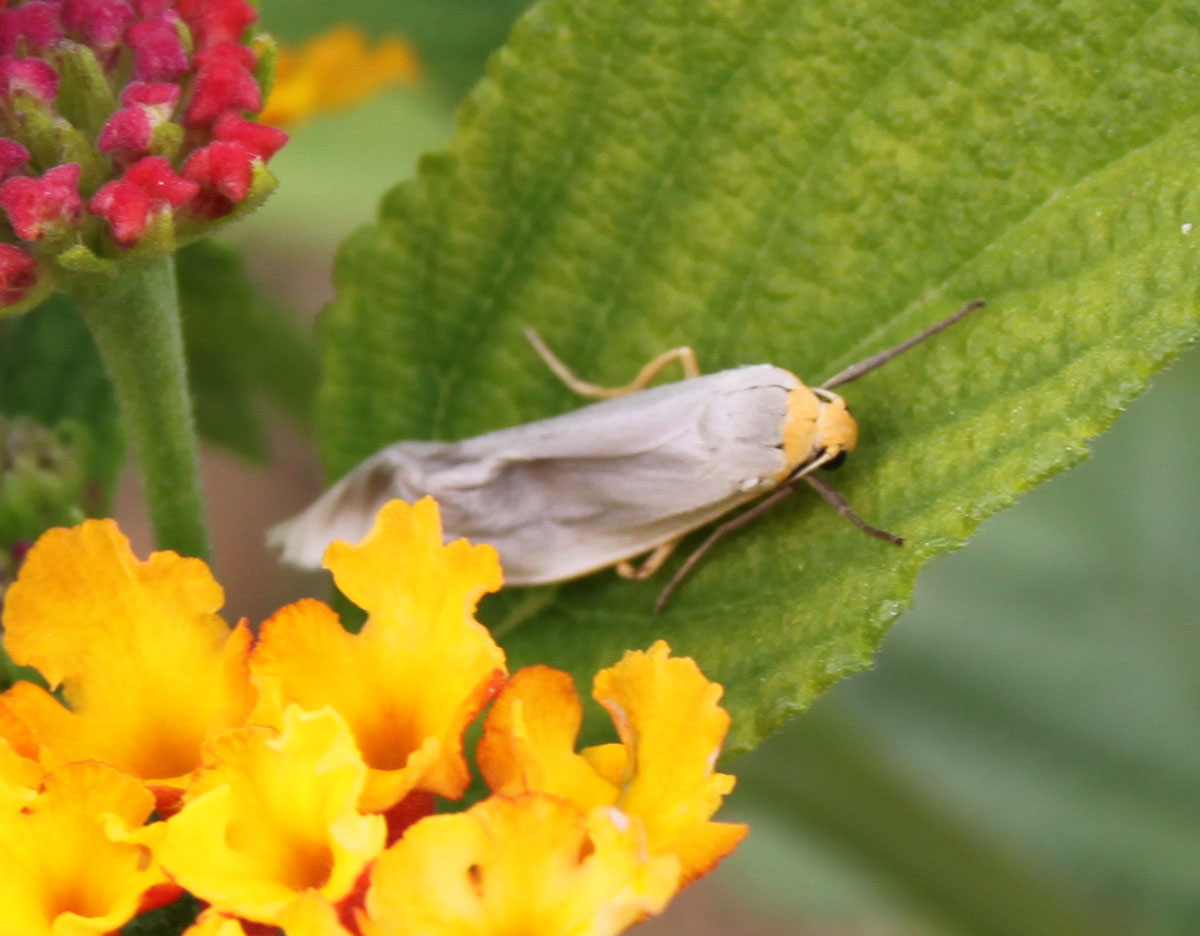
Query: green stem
(135, 323)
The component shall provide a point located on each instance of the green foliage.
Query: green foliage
(1040, 695)
(802, 184)
(50, 372)
(239, 347)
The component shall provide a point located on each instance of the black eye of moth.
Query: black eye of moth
(836, 462)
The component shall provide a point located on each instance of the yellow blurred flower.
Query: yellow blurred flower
(335, 70)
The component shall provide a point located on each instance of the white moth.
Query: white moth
(596, 487)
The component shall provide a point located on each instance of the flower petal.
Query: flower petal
(273, 816)
(420, 670)
(68, 864)
(147, 667)
(532, 864)
(529, 739)
(335, 70)
(668, 717)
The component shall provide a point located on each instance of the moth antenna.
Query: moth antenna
(838, 503)
(854, 371)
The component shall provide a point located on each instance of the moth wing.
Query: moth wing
(347, 510)
(564, 496)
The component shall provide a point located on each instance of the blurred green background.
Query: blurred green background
(1033, 722)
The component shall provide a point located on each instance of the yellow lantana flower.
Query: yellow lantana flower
(273, 818)
(531, 864)
(418, 673)
(147, 667)
(68, 862)
(295, 761)
(334, 70)
(671, 728)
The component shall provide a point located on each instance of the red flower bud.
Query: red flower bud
(156, 177)
(226, 52)
(224, 172)
(126, 135)
(37, 207)
(126, 208)
(148, 185)
(35, 24)
(100, 23)
(18, 274)
(257, 139)
(216, 21)
(12, 156)
(158, 52)
(27, 76)
(162, 94)
(219, 87)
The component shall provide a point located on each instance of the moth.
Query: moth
(629, 476)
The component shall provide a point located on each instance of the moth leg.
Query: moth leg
(651, 564)
(838, 503)
(729, 526)
(684, 355)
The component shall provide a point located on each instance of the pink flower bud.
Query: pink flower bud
(148, 186)
(12, 157)
(156, 177)
(37, 207)
(158, 95)
(216, 21)
(18, 274)
(126, 208)
(40, 24)
(158, 52)
(257, 139)
(99, 23)
(126, 135)
(219, 87)
(27, 76)
(225, 172)
(228, 52)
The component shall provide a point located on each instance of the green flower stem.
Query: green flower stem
(135, 323)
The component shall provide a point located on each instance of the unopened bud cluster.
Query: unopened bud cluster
(42, 480)
(125, 129)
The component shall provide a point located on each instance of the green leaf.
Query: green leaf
(805, 184)
(1057, 653)
(50, 372)
(239, 347)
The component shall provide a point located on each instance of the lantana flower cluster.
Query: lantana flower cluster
(124, 129)
(290, 779)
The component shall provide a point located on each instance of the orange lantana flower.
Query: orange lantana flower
(295, 762)
(334, 70)
(148, 668)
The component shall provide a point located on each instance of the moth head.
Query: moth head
(837, 430)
